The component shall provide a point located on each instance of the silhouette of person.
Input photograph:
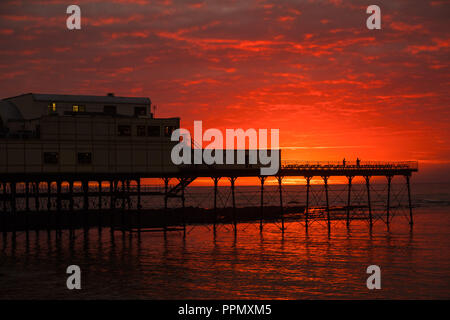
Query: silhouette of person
(358, 162)
(343, 162)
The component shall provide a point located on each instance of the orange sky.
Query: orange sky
(309, 68)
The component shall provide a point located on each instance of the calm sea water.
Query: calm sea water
(415, 264)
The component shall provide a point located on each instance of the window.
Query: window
(84, 158)
(78, 108)
(51, 157)
(168, 130)
(124, 131)
(139, 111)
(154, 131)
(110, 109)
(141, 131)
(52, 107)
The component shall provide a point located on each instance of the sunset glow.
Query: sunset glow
(309, 68)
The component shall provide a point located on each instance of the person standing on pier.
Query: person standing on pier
(343, 162)
(358, 162)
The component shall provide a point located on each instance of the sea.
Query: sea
(294, 263)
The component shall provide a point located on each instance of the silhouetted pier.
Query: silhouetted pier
(61, 201)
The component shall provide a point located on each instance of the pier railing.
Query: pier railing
(340, 165)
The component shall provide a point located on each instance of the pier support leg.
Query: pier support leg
(308, 186)
(4, 229)
(13, 209)
(280, 191)
(85, 185)
(139, 206)
(183, 207)
(112, 205)
(166, 194)
(233, 199)
(123, 208)
(49, 206)
(128, 195)
(411, 222)
(388, 205)
(100, 218)
(325, 183)
(261, 216)
(349, 199)
(58, 208)
(27, 208)
(368, 199)
(37, 203)
(216, 182)
(71, 210)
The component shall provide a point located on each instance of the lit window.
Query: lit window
(52, 107)
(78, 109)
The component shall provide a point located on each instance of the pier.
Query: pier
(83, 201)
(70, 162)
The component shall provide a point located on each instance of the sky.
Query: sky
(309, 68)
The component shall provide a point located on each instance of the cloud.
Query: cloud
(309, 68)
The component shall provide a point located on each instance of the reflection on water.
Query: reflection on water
(270, 265)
